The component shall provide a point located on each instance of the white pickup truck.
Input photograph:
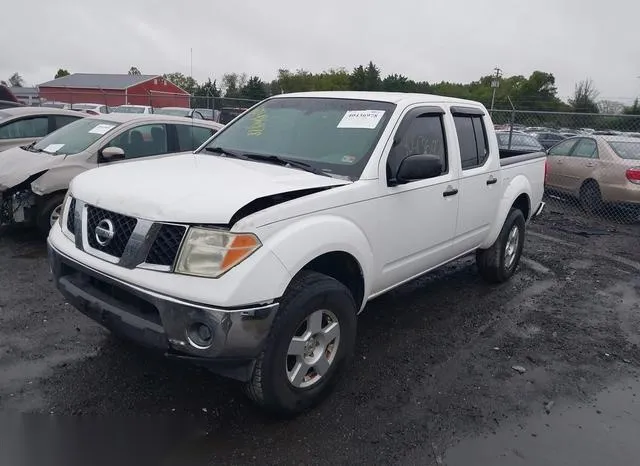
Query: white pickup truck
(254, 255)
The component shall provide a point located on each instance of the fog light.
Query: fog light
(200, 335)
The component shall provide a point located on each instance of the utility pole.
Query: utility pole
(495, 84)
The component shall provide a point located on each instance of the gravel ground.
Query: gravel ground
(434, 362)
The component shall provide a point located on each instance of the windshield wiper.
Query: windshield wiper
(227, 152)
(287, 162)
(267, 158)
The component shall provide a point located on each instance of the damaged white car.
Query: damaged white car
(34, 178)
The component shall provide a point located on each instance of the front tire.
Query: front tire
(498, 263)
(311, 338)
(49, 210)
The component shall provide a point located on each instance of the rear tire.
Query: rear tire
(297, 339)
(49, 209)
(591, 197)
(498, 263)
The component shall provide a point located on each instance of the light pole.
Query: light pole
(495, 84)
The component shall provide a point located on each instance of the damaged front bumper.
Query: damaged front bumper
(17, 207)
(226, 341)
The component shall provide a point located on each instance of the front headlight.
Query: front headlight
(67, 199)
(210, 253)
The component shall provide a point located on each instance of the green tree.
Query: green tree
(372, 77)
(184, 82)
(205, 94)
(61, 73)
(254, 89)
(633, 109)
(134, 71)
(16, 80)
(584, 97)
(232, 83)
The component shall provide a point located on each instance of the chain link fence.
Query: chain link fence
(593, 163)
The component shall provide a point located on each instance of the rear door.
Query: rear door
(480, 183)
(559, 165)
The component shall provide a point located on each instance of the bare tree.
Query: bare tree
(610, 107)
(584, 97)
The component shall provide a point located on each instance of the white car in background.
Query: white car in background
(34, 178)
(144, 109)
(91, 109)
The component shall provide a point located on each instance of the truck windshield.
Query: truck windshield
(335, 136)
(74, 137)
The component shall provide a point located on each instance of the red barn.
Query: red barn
(115, 89)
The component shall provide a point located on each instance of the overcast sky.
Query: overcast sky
(452, 40)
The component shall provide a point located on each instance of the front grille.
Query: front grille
(122, 225)
(71, 217)
(165, 248)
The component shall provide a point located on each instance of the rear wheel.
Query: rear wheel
(49, 211)
(312, 336)
(498, 263)
(590, 197)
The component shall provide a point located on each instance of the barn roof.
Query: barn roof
(99, 81)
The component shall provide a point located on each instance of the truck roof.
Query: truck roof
(392, 97)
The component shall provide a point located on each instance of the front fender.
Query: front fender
(307, 238)
(56, 179)
(518, 185)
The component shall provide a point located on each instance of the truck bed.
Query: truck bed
(509, 157)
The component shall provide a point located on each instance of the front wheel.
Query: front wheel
(49, 211)
(311, 338)
(498, 263)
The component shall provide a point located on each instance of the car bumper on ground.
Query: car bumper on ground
(227, 341)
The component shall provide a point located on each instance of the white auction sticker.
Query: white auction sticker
(101, 129)
(363, 119)
(53, 148)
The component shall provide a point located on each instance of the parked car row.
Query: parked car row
(98, 109)
(34, 176)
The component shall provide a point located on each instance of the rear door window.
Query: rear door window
(192, 137)
(63, 120)
(472, 139)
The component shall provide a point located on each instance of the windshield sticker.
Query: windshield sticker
(258, 122)
(101, 129)
(52, 148)
(348, 159)
(361, 119)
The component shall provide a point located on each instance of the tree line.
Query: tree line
(536, 92)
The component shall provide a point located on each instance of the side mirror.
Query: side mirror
(417, 167)
(111, 154)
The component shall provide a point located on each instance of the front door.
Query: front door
(580, 164)
(417, 219)
(559, 165)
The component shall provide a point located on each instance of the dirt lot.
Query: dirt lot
(434, 363)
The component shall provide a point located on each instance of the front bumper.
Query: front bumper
(165, 323)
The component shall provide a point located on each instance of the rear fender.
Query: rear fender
(518, 185)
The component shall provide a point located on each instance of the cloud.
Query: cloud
(425, 40)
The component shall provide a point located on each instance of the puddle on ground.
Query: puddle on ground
(602, 432)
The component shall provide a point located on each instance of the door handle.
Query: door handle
(450, 192)
(590, 165)
(492, 180)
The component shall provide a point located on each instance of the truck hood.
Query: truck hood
(16, 165)
(190, 188)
